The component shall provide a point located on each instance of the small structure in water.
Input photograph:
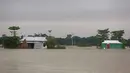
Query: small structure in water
(33, 42)
(111, 44)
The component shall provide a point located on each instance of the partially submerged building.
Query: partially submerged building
(112, 44)
(33, 42)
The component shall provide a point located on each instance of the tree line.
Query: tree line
(95, 40)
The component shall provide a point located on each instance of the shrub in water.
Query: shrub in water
(11, 42)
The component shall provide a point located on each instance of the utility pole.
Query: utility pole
(72, 39)
(3, 36)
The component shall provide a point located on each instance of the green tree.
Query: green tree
(68, 39)
(79, 41)
(76, 39)
(11, 42)
(103, 35)
(1, 40)
(92, 40)
(117, 35)
(128, 43)
(69, 36)
(14, 29)
(124, 42)
(51, 42)
(40, 35)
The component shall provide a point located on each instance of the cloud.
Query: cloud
(18, 10)
(83, 15)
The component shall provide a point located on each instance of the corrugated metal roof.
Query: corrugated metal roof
(34, 39)
(112, 41)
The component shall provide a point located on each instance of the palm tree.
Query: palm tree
(13, 29)
(49, 32)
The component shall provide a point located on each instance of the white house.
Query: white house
(35, 42)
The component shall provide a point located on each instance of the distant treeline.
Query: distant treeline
(70, 39)
(76, 40)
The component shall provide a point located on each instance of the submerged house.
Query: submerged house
(112, 44)
(33, 42)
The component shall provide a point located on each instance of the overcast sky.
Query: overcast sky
(81, 17)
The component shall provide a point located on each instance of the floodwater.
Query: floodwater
(64, 61)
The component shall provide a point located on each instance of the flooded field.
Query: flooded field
(69, 60)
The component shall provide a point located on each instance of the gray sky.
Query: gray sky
(81, 17)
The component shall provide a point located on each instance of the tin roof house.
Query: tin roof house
(112, 44)
(33, 42)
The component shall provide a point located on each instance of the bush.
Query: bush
(51, 42)
(58, 47)
(11, 42)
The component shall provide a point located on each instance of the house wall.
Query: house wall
(38, 45)
(112, 46)
(32, 44)
(23, 45)
(116, 46)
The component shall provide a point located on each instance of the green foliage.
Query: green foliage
(78, 41)
(40, 35)
(14, 28)
(51, 42)
(128, 42)
(124, 42)
(11, 42)
(103, 34)
(61, 41)
(69, 36)
(0, 40)
(93, 40)
(117, 35)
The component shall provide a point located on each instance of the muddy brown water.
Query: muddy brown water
(64, 61)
